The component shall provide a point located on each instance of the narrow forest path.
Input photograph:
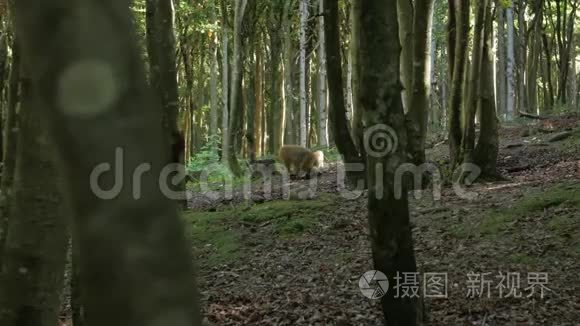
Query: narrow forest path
(276, 262)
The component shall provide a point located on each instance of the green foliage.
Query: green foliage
(208, 155)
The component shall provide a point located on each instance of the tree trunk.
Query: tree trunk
(225, 86)
(304, 17)
(357, 122)
(277, 115)
(213, 126)
(163, 71)
(259, 101)
(486, 151)
(501, 67)
(522, 50)
(337, 113)
(421, 90)
(10, 130)
(4, 75)
(473, 85)
(35, 249)
(322, 81)
(391, 237)
(461, 26)
(130, 236)
(236, 109)
(534, 56)
(290, 136)
(405, 17)
(510, 65)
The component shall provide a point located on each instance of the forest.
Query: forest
(289, 162)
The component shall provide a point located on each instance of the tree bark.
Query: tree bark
(501, 68)
(510, 65)
(460, 10)
(304, 17)
(405, 13)
(421, 89)
(322, 81)
(236, 109)
(390, 231)
(357, 122)
(337, 113)
(474, 83)
(126, 244)
(34, 255)
(10, 130)
(486, 151)
(213, 126)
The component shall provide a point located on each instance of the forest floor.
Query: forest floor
(269, 261)
(297, 262)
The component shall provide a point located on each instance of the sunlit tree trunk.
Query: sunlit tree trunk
(259, 101)
(405, 14)
(522, 51)
(290, 135)
(225, 86)
(213, 126)
(304, 73)
(501, 67)
(510, 65)
(421, 86)
(357, 120)
(322, 80)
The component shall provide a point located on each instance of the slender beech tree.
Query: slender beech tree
(417, 112)
(304, 16)
(405, 14)
(380, 100)
(83, 60)
(322, 81)
(337, 113)
(10, 145)
(473, 84)
(486, 151)
(501, 90)
(236, 109)
(510, 64)
(459, 11)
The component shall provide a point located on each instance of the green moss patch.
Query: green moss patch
(218, 235)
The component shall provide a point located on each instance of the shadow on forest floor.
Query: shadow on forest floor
(276, 262)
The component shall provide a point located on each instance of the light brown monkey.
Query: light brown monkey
(301, 161)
